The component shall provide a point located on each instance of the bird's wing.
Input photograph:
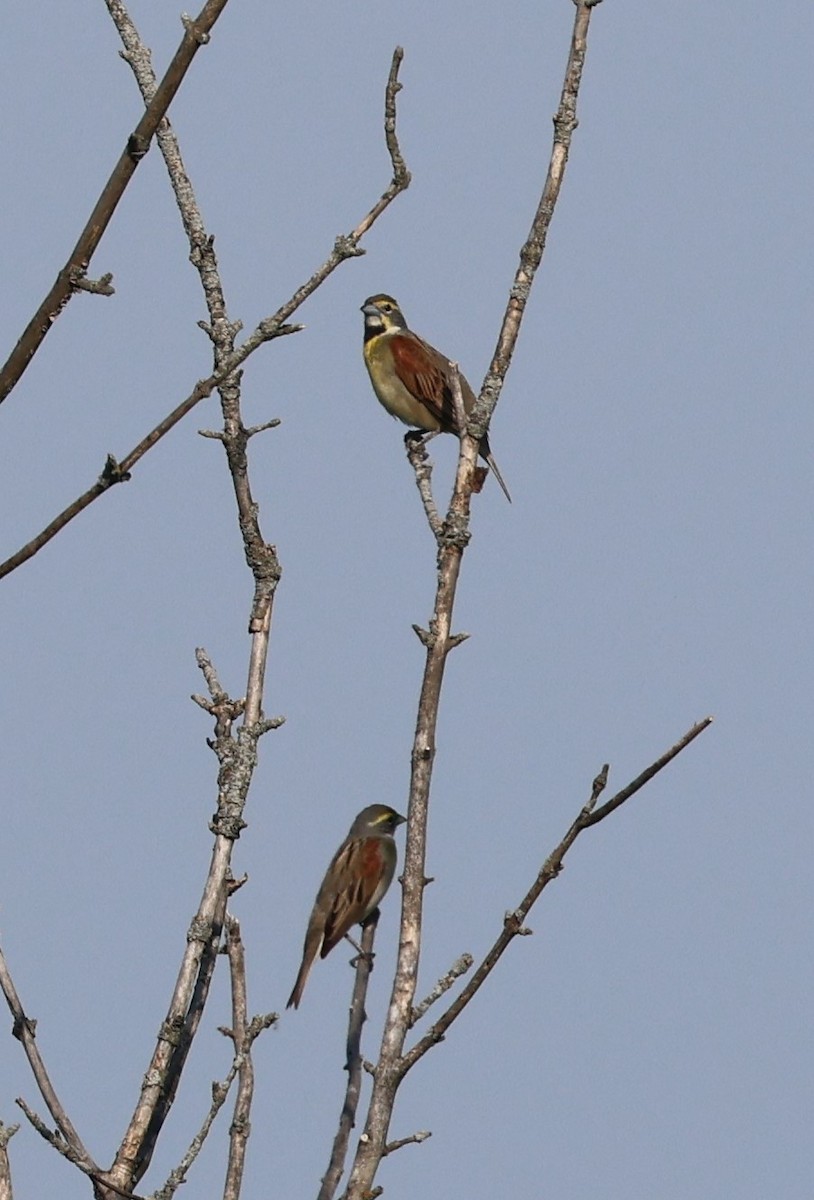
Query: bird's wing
(359, 869)
(425, 373)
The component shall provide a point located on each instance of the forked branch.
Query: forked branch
(452, 539)
(228, 357)
(513, 922)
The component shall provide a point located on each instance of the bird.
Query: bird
(412, 379)
(360, 873)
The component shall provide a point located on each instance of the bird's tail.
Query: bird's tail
(299, 986)
(309, 954)
(486, 455)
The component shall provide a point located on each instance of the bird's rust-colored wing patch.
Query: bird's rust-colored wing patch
(422, 370)
(360, 872)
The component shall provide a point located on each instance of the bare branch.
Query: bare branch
(222, 332)
(175, 1037)
(55, 1139)
(97, 287)
(565, 122)
(7, 1132)
(457, 396)
(452, 541)
(242, 1036)
(195, 35)
(652, 770)
(458, 968)
(120, 472)
(237, 756)
(353, 1063)
(25, 1031)
(415, 1139)
(416, 445)
(401, 176)
(513, 921)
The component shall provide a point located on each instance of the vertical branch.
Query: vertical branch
(353, 1063)
(237, 754)
(565, 122)
(240, 1127)
(452, 540)
(7, 1132)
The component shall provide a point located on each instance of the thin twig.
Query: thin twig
(116, 471)
(353, 1063)
(416, 446)
(415, 1139)
(196, 34)
(220, 1095)
(513, 922)
(221, 331)
(25, 1031)
(457, 396)
(648, 774)
(565, 123)
(240, 1128)
(458, 968)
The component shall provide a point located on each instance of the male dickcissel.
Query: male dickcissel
(360, 873)
(410, 378)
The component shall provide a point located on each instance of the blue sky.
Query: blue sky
(652, 1038)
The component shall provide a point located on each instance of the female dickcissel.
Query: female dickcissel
(411, 379)
(360, 873)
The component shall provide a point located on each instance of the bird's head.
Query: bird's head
(382, 314)
(377, 820)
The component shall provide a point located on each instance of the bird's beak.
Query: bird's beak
(370, 310)
(400, 820)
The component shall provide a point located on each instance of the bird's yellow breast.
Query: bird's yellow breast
(390, 391)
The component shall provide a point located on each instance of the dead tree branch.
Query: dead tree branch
(7, 1132)
(196, 34)
(513, 922)
(237, 754)
(221, 332)
(451, 542)
(243, 1034)
(353, 1062)
(25, 1029)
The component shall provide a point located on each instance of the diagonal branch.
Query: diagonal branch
(116, 471)
(196, 34)
(243, 1035)
(222, 333)
(513, 922)
(25, 1032)
(237, 754)
(179, 1027)
(646, 775)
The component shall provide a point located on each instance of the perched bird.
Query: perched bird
(360, 873)
(410, 378)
